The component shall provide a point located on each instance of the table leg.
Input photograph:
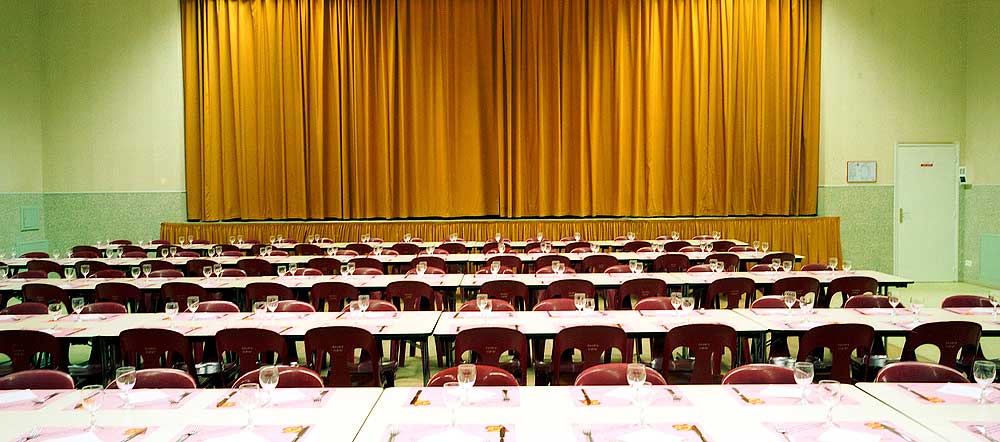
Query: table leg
(757, 347)
(425, 359)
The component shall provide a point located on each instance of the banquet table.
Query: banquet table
(364, 282)
(612, 244)
(700, 413)
(795, 322)
(155, 418)
(948, 409)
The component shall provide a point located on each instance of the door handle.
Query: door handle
(901, 216)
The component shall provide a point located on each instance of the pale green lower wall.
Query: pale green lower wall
(980, 214)
(11, 235)
(84, 218)
(865, 223)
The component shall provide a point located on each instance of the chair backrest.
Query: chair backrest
(912, 371)
(178, 292)
(572, 245)
(368, 263)
(848, 287)
(408, 248)
(783, 256)
(451, 247)
(166, 273)
(618, 268)
(759, 374)
(739, 249)
(554, 304)
(491, 246)
(217, 307)
(730, 261)
(509, 261)
(499, 305)
(762, 268)
(432, 261)
(488, 344)
(593, 342)
(35, 255)
(155, 348)
(259, 291)
(306, 249)
(565, 288)
(158, 264)
(413, 295)
(329, 266)
(722, 245)
(360, 248)
(689, 249)
(107, 308)
(699, 268)
(22, 346)
(26, 308)
(634, 246)
(305, 271)
(119, 292)
(294, 306)
(868, 301)
(842, 340)
(640, 288)
(771, 302)
(815, 267)
(733, 289)
(95, 266)
(251, 348)
(128, 248)
(966, 301)
(614, 374)
(368, 271)
(154, 378)
(654, 303)
(707, 344)
(546, 261)
(333, 295)
(85, 254)
(194, 266)
(548, 270)
(45, 294)
(597, 263)
(256, 267)
(288, 377)
(486, 376)
(487, 271)
(339, 344)
(108, 273)
(514, 292)
(798, 284)
(30, 274)
(86, 248)
(37, 380)
(675, 246)
(950, 337)
(376, 305)
(46, 266)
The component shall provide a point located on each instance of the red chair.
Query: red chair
(124, 242)
(85, 254)
(368, 263)
(26, 308)
(868, 301)
(360, 248)
(233, 253)
(547, 260)
(565, 288)
(759, 374)
(156, 348)
(334, 295)
(514, 292)
(597, 263)
(614, 374)
(707, 344)
(233, 273)
(638, 289)
(193, 267)
(555, 304)
(487, 345)
(31, 274)
(329, 266)
(271, 253)
(376, 305)
(968, 301)
(367, 271)
(180, 291)
(486, 376)
(259, 291)
(85, 248)
(122, 293)
(104, 308)
(46, 266)
(288, 377)
(842, 340)
(415, 296)
(159, 241)
(409, 248)
(762, 268)
(920, 372)
(35, 255)
(336, 346)
(453, 247)
(306, 272)
(509, 261)
(245, 349)
(654, 303)
(594, 342)
(166, 273)
(108, 273)
(722, 245)
(675, 246)
(779, 344)
(848, 287)
(499, 305)
(256, 267)
(346, 252)
(733, 289)
(491, 246)
(217, 307)
(487, 271)
(45, 294)
(699, 268)
(618, 268)
(432, 261)
(308, 250)
(161, 378)
(158, 264)
(950, 337)
(739, 249)
(548, 270)
(634, 246)
(689, 249)
(813, 267)
(730, 261)
(37, 380)
(294, 307)
(95, 266)
(130, 248)
(572, 244)
(798, 284)
(22, 347)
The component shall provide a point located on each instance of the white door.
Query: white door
(926, 215)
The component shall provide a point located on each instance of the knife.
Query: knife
(503, 433)
(134, 435)
(416, 397)
(742, 396)
(225, 399)
(897, 433)
(586, 397)
(702, 436)
(916, 393)
(301, 432)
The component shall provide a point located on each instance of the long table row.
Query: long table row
(695, 413)
(612, 244)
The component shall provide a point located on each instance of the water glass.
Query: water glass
(482, 301)
(687, 306)
(643, 397)
(578, 300)
(268, 377)
(217, 269)
(832, 262)
(84, 269)
(355, 308)
(501, 247)
(495, 267)
(589, 305)
(70, 272)
(171, 308)
(136, 271)
(407, 237)
(676, 300)
(806, 303)
(994, 297)
(91, 397)
(363, 302)
(893, 302)
(125, 378)
(755, 245)
(466, 379)
(272, 303)
(635, 374)
(192, 304)
(630, 236)
(716, 235)
(804, 372)
(249, 396)
(775, 264)
(232, 240)
(984, 372)
(786, 266)
(764, 246)
(789, 298)
(173, 251)
(343, 270)
(708, 246)
(421, 267)
(453, 397)
(916, 305)
(848, 266)
(829, 394)
(352, 266)
(576, 236)
(497, 237)
(259, 309)
(675, 235)
(207, 271)
(55, 309)
(78, 304)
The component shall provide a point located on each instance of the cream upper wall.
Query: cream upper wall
(893, 71)
(113, 100)
(20, 97)
(981, 152)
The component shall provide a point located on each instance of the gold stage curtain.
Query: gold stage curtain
(356, 109)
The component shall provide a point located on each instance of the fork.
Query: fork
(782, 431)
(178, 399)
(589, 434)
(981, 429)
(319, 397)
(393, 432)
(672, 394)
(42, 400)
(33, 434)
(185, 436)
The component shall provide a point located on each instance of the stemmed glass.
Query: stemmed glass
(211, 252)
(557, 267)
(630, 236)
(984, 372)
(893, 302)
(832, 262)
(171, 309)
(136, 271)
(268, 378)
(635, 374)
(343, 270)
(631, 265)
(125, 378)
(377, 250)
(249, 397)
(676, 301)
(848, 266)
(716, 235)
(84, 270)
(804, 372)
(775, 264)
(232, 240)
(207, 271)
(643, 397)
(271, 302)
(497, 237)
(91, 397)
(421, 267)
(466, 379)
(55, 309)
(173, 251)
(674, 235)
(282, 270)
(259, 309)
(484, 304)
(589, 305)
(217, 269)
(829, 394)
(806, 304)
(181, 240)
(363, 302)
(495, 267)
(576, 236)
(164, 252)
(453, 237)
(192, 304)
(501, 247)
(78, 304)
(578, 300)
(995, 302)
(708, 246)
(786, 266)
(755, 245)
(594, 248)
(239, 239)
(687, 306)
(407, 237)
(789, 298)
(453, 397)
(764, 246)
(916, 304)
(352, 266)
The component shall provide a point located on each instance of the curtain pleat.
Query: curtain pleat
(359, 109)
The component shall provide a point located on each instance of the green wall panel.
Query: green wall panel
(83, 218)
(865, 223)
(979, 210)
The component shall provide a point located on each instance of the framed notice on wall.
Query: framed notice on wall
(861, 172)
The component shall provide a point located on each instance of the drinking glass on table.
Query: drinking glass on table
(893, 302)
(453, 397)
(91, 397)
(84, 270)
(453, 237)
(363, 302)
(377, 250)
(806, 304)
(495, 267)
(211, 252)
(192, 304)
(848, 266)
(482, 302)
(635, 374)
(171, 308)
(164, 252)
(352, 266)
(272, 303)
(829, 394)
(343, 270)
(173, 251)
(355, 308)
(268, 378)
(271, 239)
(407, 237)
(558, 267)
(259, 309)
(643, 396)
(630, 236)
(78, 304)
(248, 396)
(676, 300)
(764, 246)
(756, 245)
(994, 298)
(55, 309)
(292, 267)
(136, 271)
(501, 247)
(789, 299)
(217, 269)
(594, 248)
(282, 270)
(716, 235)
(984, 372)
(832, 262)
(232, 240)
(589, 305)
(578, 300)
(786, 266)
(332, 251)
(190, 239)
(365, 237)
(674, 235)
(712, 263)
(497, 237)
(239, 239)
(804, 372)
(421, 267)
(708, 246)
(631, 265)
(70, 272)
(466, 379)
(775, 264)
(539, 236)
(916, 305)
(125, 378)
(576, 236)
(180, 240)
(687, 306)
(206, 271)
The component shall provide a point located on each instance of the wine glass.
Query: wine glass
(893, 302)
(501, 247)
(916, 305)
(190, 239)
(687, 306)
(639, 266)
(179, 240)
(716, 235)
(173, 251)
(164, 252)
(594, 248)
(171, 309)
(125, 378)
(377, 250)
(578, 300)
(217, 269)
(91, 397)
(755, 245)
(453, 397)
(848, 266)
(539, 236)
(483, 300)
(804, 372)
(576, 236)
(630, 236)
(259, 309)
(497, 237)
(675, 300)
(136, 271)
(674, 235)
(453, 237)
(775, 264)
(589, 305)
(558, 267)
(232, 240)
(764, 246)
(84, 270)
(832, 262)
(268, 378)
(363, 302)
(239, 239)
(354, 307)
(708, 246)
(806, 304)
(994, 301)
(192, 304)
(635, 374)
(495, 267)
(281, 239)
(466, 379)
(271, 302)
(643, 396)
(207, 271)
(282, 270)
(407, 237)
(631, 265)
(78, 304)
(248, 395)
(352, 266)
(70, 272)
(984, 372)
(712, 263)
(343, 270)
(789, 298)
(421, 267)
(365, 237)
(786, 266)
(211, 252)
(829, 394)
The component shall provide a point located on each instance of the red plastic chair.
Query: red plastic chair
(722, 245)
(308, 250)
(157, 378)
(548, 270)
(245, 349)
(573, 244)
(491, 246)
(233, 253)
(156, 348)
(554, 304)
(868, 301)
(432, 261)
(509, 261)
(85, 254)
(376, 305)
(336, 346)
(597, 263)
(738, 249)
(130, 248)
(699, 268)
(194, 267)
(367, 271)
(762, 268)
(294, 307)
(217, 307)
(487, 271)
(46, 266)
(23, 346)
(108, 273)
(288, 377)
(614, 374)
(158, 264)
(233, 273)
(134, 254)
(959, 301)
(415, 296)
(35, 255)
(37, 380)
(499, 305)
(306, 272)
(273, 252)
(920, 372)
(86, 248)
(654, 303)
(814, 267)
(618, 268)
(105, 308)
(31, 274)
(329, 266)
(180, 291)
(259, 291)
(409, 248)
(759, 374)
(45, 294)
(256, 267)
(565, 288)
(369, 263)
(848, 287)
(486, 376)
(638, 289)
(798, 284)
(453, 247)
(124, 242)
(487, 345)
(779, 344)
(634, 246)
(730, 261)
(547, 260)
(360, 248)
(513, 292)
(675, 246)
(334, 295)
(594, 342)
(957, 341)
(707, 344)
(733, 289)
(95, 266)
(842, 340)
(689, 249)
(26, 308)
(166, 273)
